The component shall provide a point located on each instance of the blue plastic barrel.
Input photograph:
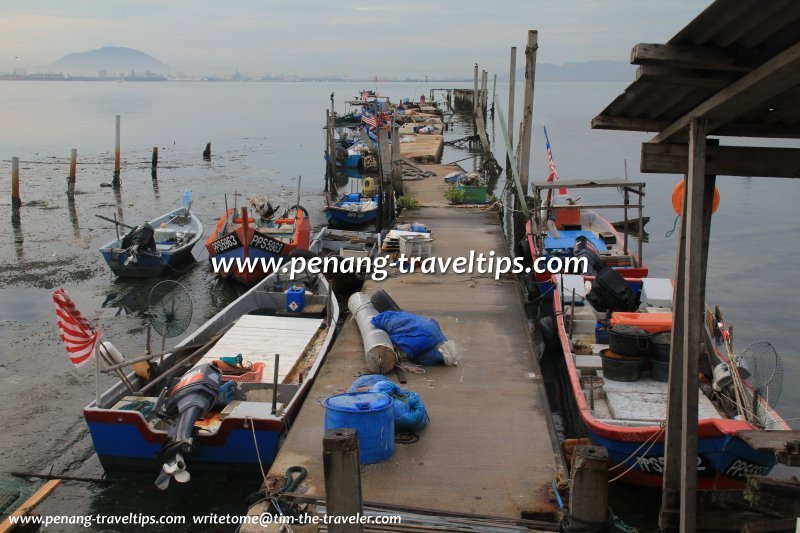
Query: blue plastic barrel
(371, 415)
(295, 299)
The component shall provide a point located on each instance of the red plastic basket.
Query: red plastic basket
(247, 377)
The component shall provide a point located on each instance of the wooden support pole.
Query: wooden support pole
(73, 164)
(475, 90)
(588, 493)
(494, 93)
(342, 478)
(154, 160)
(527, 108)
(116, 181)
(512, 80)
(16, 202)
(692, 319)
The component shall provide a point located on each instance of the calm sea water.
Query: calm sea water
(265, 135)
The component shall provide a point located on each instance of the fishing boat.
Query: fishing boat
(628, 418)
(561, 219)
(344, 244)
(156, 247)
(225, 396)
(353, 210)
(241, 236)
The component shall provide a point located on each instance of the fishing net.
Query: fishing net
(766, 371)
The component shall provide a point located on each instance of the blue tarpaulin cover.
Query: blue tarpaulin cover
(416, 336)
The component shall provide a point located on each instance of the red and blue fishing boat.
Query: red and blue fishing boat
(221, 400)
(240, 236)
(628, 416)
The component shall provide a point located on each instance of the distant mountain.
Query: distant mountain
(111, 59)
(586, 71)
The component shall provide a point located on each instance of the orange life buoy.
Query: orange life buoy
(677, 199)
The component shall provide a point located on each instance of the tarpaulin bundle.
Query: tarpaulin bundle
(409, 411)
(416, 336)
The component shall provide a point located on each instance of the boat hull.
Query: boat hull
(346, 219)
(147, 265)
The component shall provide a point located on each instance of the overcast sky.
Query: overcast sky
(318, 37)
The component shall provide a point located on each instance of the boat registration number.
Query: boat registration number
(228, 242)
(655, 465)
(741, 468)
(267, 244)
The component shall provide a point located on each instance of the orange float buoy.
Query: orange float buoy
(677, 199)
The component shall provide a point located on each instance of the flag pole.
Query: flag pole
(96, 379)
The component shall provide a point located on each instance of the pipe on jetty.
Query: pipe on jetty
(378, 350)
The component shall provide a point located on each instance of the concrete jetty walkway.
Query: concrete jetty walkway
(489, 448)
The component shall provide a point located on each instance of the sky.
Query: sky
(409, 38)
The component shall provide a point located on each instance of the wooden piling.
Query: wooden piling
(342, 477)
(73, 164)
(588, 493)
(116, 181)
(475, 89)
(512, 77)
(15, 199)
(207, 152)
(527, 109)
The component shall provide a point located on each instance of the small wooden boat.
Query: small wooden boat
(628, 417)
(256, 238)
(631, 226)
(155, 248)
(249, 426)
(353, 211)
(344, 244)
(553, 233)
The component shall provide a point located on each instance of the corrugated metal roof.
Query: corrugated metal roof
(744, 34)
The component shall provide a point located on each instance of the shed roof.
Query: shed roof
(737, 64)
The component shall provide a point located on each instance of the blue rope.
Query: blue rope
(674, 226)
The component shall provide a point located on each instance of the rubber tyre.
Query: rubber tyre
(383, 302)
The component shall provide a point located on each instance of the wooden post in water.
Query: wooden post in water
(484, 84)
(527, 109)
(494, 93)
(342, 478)
(116, 181)
(16, 202)
(154, 163)
(73, 164)
(475, 90)
(512, 77)
(588, 493)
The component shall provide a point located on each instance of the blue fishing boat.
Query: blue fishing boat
(156, 247)
(213, 403)
(352, 211)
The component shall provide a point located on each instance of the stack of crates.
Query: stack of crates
(415, 246)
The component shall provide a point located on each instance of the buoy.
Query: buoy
(677, 199)
(113, 353)
(368, 189)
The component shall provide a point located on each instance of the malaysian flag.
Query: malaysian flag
(553, 173)
(369, 119)
(77, 334)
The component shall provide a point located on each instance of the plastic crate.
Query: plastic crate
(415, 246)
(474, 195)
(248, 377)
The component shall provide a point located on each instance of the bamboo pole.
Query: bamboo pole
(475, 89)
(116, 180)
(15, 199)
(30, 504)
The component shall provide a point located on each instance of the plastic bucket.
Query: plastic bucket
(628, 340)
(371, 414)
(661, 343)
(659, 370)
(618, 368)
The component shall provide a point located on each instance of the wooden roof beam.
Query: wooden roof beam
(734, 129)
(668, 158)
(767, 81)
(714, 80)
(694, 57)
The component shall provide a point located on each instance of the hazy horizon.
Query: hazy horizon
(316, 38)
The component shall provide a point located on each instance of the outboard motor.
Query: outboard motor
(191, 398)
(583, 247)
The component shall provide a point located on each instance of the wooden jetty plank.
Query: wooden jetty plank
(422, 148)
(490, 448)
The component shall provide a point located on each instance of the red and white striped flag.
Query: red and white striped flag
(553, 173)
(78, 335)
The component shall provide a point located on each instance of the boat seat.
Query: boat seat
(289, 230)
(657, 292)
